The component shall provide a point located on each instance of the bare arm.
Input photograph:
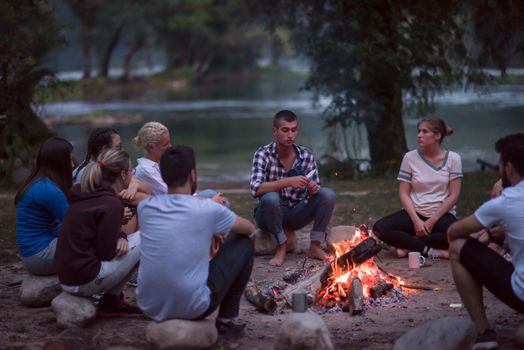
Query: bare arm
(463, 228)
(404, 189)
(242, 227)
(454, 193)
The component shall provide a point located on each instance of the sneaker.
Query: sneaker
(115, 306)
(230, 326)
(436, 254)
(486, 340)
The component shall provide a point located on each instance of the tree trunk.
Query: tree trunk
(386, 138)
(108, 52)
(86, 52)
(128, 57)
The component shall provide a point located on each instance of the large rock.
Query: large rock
(264, 244)
(303, 331)
(182, 334)
(340, 234)
(73, 311)
(39, 290)
(450, 333)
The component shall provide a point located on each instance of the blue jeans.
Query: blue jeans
(209, 193)
(272, 216)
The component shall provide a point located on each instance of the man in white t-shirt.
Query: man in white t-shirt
(474, 264)
(176, 278)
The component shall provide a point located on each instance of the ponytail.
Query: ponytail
(107, 168)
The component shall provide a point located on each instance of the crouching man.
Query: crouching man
(473, 264)
(176, 278)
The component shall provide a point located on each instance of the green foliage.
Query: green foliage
(28, 34)
(374, 57)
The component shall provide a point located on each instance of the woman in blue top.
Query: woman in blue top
(41, 204)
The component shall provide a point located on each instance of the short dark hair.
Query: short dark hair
(176, 164)
(511, 149)
(286, 115)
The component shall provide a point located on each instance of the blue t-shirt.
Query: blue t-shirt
(39, 215)
(175, 240)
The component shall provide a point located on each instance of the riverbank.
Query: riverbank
(357, 202)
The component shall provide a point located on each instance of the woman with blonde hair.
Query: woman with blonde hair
(155, 139)
(430, 179)
(93, 255)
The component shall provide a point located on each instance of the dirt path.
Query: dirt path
(377, 328)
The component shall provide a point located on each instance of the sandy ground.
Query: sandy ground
(377, 328)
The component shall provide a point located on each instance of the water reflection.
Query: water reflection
(226, 123)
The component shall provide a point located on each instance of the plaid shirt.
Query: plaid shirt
(267, 167)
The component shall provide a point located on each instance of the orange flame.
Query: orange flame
(368, 272)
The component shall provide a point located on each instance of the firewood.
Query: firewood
(263, 299)
(379, 289)
(355, 299)
(365, 250)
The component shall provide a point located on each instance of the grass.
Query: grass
(358, 202)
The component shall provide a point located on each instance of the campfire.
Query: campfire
(349, 283)
(353, 274)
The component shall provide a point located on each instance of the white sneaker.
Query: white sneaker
(438, 254)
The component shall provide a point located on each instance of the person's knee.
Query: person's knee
(270, 199)
(379, 228)
(327, 195)
(455, 247)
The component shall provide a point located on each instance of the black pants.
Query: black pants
(491, 270)
(229, 272)
(397, 230)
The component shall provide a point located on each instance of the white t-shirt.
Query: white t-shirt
(176, 232)
(429, 185)
(149, 172)
(507, 211)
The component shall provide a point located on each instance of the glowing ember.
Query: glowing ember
(336, 288)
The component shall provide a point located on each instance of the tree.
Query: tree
(373, 56)
(206, 35)
(28, 34)
(86, 11)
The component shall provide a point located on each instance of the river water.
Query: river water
(225, 123)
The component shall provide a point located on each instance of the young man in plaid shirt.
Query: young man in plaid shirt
(284, 178)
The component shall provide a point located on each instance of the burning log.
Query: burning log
(380, 289)
(263, 299)
(355, 301)
(365, 250)
(309, 285)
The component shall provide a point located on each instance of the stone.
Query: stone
(303, 331)
(340, 233)
(450, 333)
(518, 336)
(72, 310)
(39, 291)
(264, 244)
(182, 334)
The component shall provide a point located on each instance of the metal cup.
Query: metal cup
(299, 302)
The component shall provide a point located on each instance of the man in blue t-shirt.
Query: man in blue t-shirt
(474, 264)
(176, 278)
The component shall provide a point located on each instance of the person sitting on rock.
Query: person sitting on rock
(473, 264)
(100, 140)
(176, 232)
(284, 177)
(93, 255)
(41, 204)
(430, 180)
